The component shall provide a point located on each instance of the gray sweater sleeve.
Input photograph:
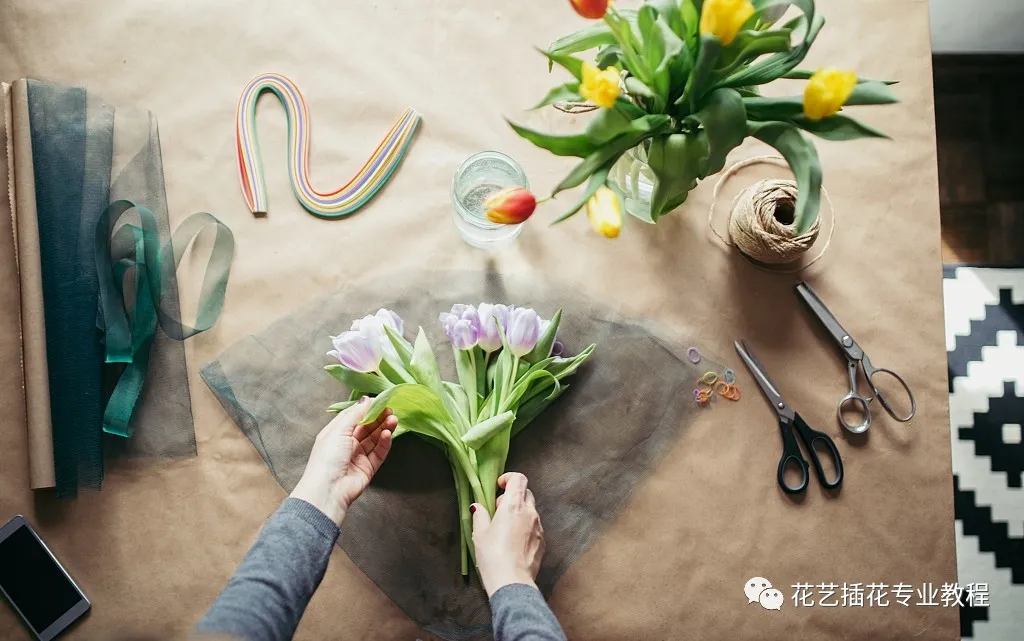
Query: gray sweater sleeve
(520, 613)
(269, 591)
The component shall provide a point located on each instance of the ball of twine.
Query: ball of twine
(761, 222)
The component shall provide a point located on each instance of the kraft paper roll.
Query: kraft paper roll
(33, 328)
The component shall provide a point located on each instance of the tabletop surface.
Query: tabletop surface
(156, 545)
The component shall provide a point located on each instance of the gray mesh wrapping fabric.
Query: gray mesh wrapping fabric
(583, 456)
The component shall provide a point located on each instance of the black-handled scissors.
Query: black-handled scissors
(854, 402)
(815, 442)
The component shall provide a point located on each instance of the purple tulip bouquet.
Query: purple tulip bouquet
(510, 368)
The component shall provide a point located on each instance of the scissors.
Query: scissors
(815, 442)
(854, 402)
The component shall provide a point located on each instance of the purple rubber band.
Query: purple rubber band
(693, 355)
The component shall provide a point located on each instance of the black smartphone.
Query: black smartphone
(34, 583)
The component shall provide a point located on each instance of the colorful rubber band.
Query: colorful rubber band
(729, 376)
(709, 378)
(336, 204)
(693, 355)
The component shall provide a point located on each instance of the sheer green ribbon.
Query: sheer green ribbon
(129, 326)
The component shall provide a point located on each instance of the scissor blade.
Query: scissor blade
(827, 318)
(760, 376)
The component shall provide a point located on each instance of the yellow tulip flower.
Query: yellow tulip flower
(827, 91)
(600, 87)
(604, 211)
(724, 18)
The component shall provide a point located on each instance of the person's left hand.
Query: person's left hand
(345, 457)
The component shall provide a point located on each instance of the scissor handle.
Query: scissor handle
(815, 442)
(859, 405)
(869, 373)
(791, 456)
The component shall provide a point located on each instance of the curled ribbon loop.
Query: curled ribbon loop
(129, 326)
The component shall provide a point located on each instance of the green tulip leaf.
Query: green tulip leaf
(482, 432)
(606, 125)
(677, 161)
(596, 35)
(641, 129)
(335, 408)
(802, 157)
(671, 12)
(597, 179)
(872, 92)
(567, 62)
(635, 87)
(780, 64)
(609, 56)
(365, 383)
(423, 365)
(401, 345)
(568, 92)
(418, 410)
(710, 50)
(579, 145)
(459, 398)
(533, 408)
(805, 74)
(839, 127)
(724, 120)
(749, 45)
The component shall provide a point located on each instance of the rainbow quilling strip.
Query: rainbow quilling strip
(336, 204)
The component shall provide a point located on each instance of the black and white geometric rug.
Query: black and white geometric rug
(985, 347)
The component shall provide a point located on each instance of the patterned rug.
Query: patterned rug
(985, 345)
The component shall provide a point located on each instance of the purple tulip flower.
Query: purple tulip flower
(490, 332)
(374, 326)
(523, 330)
(359, 350)
(461, 325)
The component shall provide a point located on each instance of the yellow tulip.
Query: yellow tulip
(600, 86)
(827, 91)
(724, 18)
(604, 211)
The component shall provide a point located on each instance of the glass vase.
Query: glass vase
(633, 176)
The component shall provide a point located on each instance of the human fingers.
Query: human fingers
(347, 420)
(362, 431)
(530, 500)
(481, 519)
(369, 441)
(380, 451)
(514, 485)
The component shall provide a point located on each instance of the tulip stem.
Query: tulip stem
(545, 199)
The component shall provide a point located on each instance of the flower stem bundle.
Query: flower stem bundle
(510, 368)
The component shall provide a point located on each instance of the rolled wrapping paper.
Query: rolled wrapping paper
(336, 204)
(37, 385)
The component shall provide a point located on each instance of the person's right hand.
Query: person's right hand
(508, 547)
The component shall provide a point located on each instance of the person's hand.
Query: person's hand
(345, 457)
(508, 547)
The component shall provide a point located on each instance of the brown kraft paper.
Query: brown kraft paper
(154, 548)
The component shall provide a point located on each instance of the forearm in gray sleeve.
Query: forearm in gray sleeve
(519, 613)
(269, 591)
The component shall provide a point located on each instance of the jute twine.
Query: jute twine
(761, 221)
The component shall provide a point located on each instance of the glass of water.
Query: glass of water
(477, 178)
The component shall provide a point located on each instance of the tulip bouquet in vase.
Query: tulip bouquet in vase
(510, 368)
(675, 84)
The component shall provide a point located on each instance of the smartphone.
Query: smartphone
(34, 583)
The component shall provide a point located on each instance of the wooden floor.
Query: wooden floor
(979, 118)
